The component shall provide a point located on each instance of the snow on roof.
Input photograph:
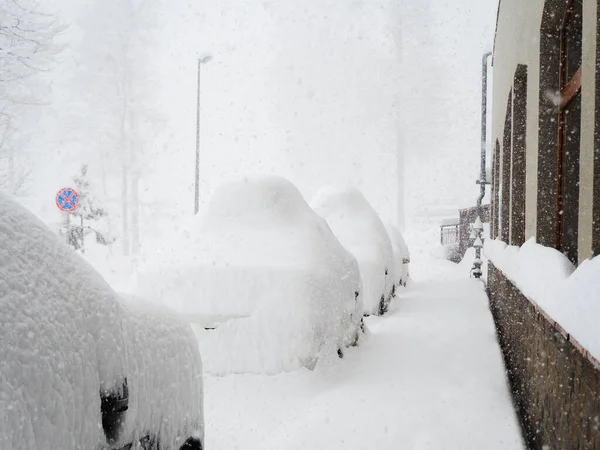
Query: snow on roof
(361, 231)
(267, 269)
(256, 221)
(571, 296)
(450, 221)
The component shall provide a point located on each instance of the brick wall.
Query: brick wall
(555, 383)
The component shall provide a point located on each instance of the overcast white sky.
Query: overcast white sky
(318, 91)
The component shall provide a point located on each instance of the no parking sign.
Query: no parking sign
(67, 199)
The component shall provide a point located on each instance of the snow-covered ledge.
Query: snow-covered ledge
(570, 297)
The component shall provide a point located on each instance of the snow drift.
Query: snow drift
(360, 230)
(65, 339)
(265, 275)
(571, 296)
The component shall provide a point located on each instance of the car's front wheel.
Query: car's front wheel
(192, 443)
(382, 307)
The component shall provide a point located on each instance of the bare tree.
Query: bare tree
(14, 171)
(26, 48)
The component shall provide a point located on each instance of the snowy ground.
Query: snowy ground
(428, 376)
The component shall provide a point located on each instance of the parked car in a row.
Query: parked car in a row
(81, 368)
(360, 230)
(401, 255)
(270, 284)
(262, 278)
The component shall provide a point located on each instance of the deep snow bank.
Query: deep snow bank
(571, 296)
(65, 338)
(360, 230)
(266, 272)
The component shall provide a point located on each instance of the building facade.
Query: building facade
(546, 125)
(546, 184)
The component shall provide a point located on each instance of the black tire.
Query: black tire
(382, 306)
(192, 444)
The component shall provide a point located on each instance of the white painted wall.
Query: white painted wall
(517, 42)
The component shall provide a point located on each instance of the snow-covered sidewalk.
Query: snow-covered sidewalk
(429, 376)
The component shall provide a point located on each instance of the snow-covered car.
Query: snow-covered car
(361, 231)
(263, 279)
(79, 367)
(401, 254)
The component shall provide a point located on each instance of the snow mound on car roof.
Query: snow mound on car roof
(360, 230)
(264, 270)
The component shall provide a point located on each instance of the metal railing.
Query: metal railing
(449, 234)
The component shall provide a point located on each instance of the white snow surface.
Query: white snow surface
(65, 336)
(428, 376)
(400, 250)
(571, 296)
(359, 229)
(264, 269)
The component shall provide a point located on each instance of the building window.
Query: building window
(569, 131)
(518, 172)
(559, 126)
(504, 216)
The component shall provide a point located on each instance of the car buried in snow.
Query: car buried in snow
(263, 280)
(80, 367)
(359, 229)
(401, 255)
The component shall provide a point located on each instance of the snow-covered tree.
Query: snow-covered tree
(84, 221)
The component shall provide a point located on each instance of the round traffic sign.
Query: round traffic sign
(67, 199)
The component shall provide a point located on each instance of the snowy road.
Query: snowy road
(429, 376)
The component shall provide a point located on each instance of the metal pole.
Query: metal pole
(484, 87)
(197, 180)
(482, 175)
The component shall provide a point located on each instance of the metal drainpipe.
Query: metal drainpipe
(484, 87)
(482, 181)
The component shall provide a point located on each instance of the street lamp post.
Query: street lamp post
(201, 60)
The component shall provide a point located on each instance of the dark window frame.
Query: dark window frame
(554, 17)
(506, 172)
(569, 124)
(495, 190)
(518, 156)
